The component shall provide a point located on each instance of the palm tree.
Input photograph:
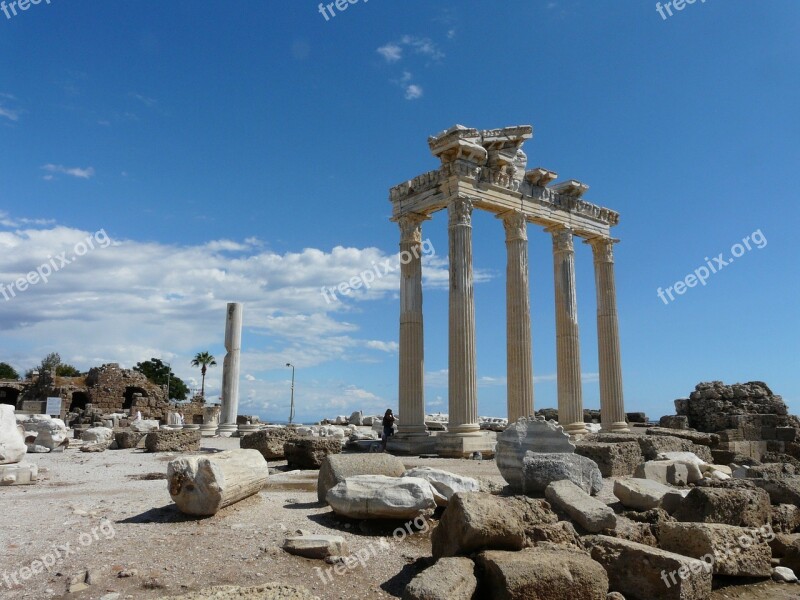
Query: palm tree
(203, 360)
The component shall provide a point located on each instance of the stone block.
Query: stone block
(786, 434)
(449, 445)
(309, 453)
(540, 470)
(667, 472)
(12, 442)
(674, 422)
(696, 437)
(444, 483)
(381, 497)
(781, 490)
(475, 521)
(129, 439)
(653, 445)
(750, 449)
(335, 468)
(591, 514)
(618, 459)
(451, 578)
(172, 441)
(20, 473)
(636, 417)
(534, 434)
(546, 573)
(269, 442)
(644, 494)
(785, 518)
(739, 507)
(316, 546)
(641, 572)
(733, 551)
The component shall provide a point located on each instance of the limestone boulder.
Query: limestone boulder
(450, 578)
(666, 472)
(335, 468)
(270, 442)
(475, 521)
(444, 483)
(641, 572)
(694, 464)
(165, 440)
(381, 497)
(129, 439)
(591, 514)
(739, 507)
(528, 434)
(540, 470)
(12, 442)
(316, 546)
(781, 489)
(546, 573)
(50, 434)
(308, 453)
(98, 435)
(21, 473)
(783, 575)
(144, 426)
(653, 445)
(645, 494)
(269, 591)
(736, 551)
(618, 459)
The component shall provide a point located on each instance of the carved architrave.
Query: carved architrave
(460, 211)
(516, 225)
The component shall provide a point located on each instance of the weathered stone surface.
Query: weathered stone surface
(781, 490)
(540, 470)
(618, 459)
(588, 512)
(550, 573)
(533, 513)
(444, 483)
(740, 507)
(783, 575)
(653, 445)
(639, 532)
(674, 422)
(50, 433)
(641, 572)
(785, 518)
(98, 435)
(21, 473)
(450, 578)
(309, 453)
(736, 551)
(781, 542)
(144, 425)
(714, 406)
(696, 437)
(791, 556)
(562, 533)
(474, 521)
(381, 497)
(203, 485)
(694, 464)
(12, 443)
(336, 468)
(316, 546)
(667, 472)
(129, 439)
(166, 440)
(533, 434)
(644, 494)
(269, 442)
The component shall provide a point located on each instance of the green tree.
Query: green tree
(65, 370)
(203, 360)
(7, 371)
(161, 374)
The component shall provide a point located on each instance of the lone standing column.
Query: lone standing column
(612, 405)
(230, 370)
(568, 346)
(518, 318)
(412, 348)
(462, 376)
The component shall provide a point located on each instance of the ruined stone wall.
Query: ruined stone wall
(714, 406)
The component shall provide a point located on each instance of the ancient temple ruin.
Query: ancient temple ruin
(486, 170)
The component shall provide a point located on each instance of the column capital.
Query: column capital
(562, 238)
(602, 248)
(411, 227)
(460, 211)
(516, 225)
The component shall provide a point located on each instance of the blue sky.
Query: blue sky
(244, 152)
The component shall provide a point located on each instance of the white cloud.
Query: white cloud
(391, 52)
(413, 92)
(383, 346)
(86, 173)
(9, 114)
(423, 46)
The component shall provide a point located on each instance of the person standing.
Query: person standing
(388, 426)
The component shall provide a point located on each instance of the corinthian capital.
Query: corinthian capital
(460, 211)
(411, 227)
(562, 238)
(516, 225)
(602, 249)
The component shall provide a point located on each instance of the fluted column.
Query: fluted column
(519, 363)
(462, 378)
(412, 372)
(612, 405)
(568, 347)
(230, 369)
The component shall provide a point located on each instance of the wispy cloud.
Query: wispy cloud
(148, 102)
(391, 52)
(52, 169)
(12, 115)
(412, 91)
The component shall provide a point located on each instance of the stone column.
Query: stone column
(230, 370)
(519, 363)
(462, 377)
(412, 349)
(568, 346)
(612, 405)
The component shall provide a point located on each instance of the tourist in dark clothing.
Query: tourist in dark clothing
(388, 426)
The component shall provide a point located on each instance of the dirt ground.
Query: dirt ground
(147, 549)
